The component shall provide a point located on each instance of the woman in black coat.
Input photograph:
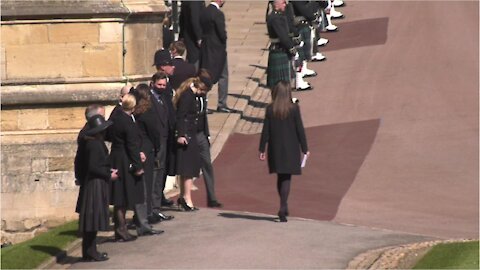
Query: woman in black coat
(126, 157)
(283, 131)
(188, 152)
(93, 206)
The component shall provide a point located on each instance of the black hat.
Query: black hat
(97, 124)
(162, 58)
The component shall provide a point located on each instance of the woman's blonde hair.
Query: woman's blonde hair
(128, 102)
(281, 100)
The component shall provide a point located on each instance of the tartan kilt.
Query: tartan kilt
(305, 52)
(279, 68)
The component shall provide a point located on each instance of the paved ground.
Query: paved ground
(393, 127)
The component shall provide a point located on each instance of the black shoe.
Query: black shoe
(182, 204)
(124, 236)
(214, 204)
(210, 111)
(224, 110)
(304, 89)
(153, 219)
(167, 202)
(150, 232)
(282, 217)
(162, 216)
(96, 258)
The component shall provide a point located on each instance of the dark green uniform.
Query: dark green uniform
(282, 49)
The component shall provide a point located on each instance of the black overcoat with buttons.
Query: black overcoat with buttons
(188, 156)
(126, 139)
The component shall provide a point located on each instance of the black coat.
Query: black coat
(93, 206)
(214, 42)
(188, 156)
(167, 110)
(286, 140)
(183, 71)
(128, 190)
(190, 28)
(80, 164)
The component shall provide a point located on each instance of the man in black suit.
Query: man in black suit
(213, 51)
(191, 30)
(163, 92)
(183, 70)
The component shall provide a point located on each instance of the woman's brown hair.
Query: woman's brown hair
(142, 93)
(198, 82)
(281, 100)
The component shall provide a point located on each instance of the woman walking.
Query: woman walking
(94, 215)
(284, 133)
(189, 106)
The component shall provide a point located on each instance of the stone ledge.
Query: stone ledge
(60, 93)
(67, 9)
(396, 257)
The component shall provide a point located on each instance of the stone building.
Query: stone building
(57, 56)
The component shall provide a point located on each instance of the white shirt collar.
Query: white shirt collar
(178, 57)
(215, 4)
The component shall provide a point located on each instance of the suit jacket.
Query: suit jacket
(183, 71)
(214, 42)
(285, 138)
(160, 109)
(190, 28)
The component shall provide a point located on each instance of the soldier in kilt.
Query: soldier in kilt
(300, 84)
(305, 14)
(282, 48)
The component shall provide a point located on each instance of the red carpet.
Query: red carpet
(337, 152)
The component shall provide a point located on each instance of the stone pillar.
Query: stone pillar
(58, 56)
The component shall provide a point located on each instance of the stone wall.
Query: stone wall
(56, 58)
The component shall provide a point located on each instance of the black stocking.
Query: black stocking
(283, 188)
(89, 244)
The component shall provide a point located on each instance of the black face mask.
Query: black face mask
(158, 90)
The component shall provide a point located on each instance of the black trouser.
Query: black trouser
(223, 86)
(159, 177)
(207, 168)
(283, 188)
(140, 211)
(89, 244)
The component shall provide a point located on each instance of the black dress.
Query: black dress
(285, 140)
(128, 189)
(188, 156)
(94, 214)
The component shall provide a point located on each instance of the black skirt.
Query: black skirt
(188, 159)
(94, 214)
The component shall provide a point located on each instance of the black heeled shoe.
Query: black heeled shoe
(124, 236)
(182, 204)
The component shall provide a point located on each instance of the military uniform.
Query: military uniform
(304, 14)
(282, 49)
